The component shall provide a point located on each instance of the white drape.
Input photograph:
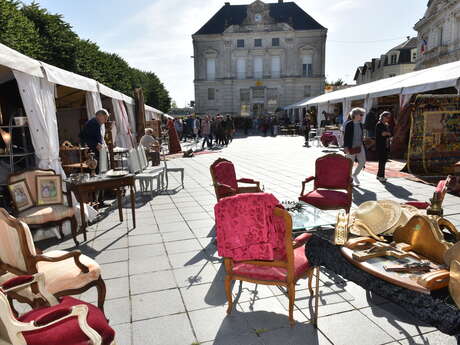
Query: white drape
(93, 103)
(131, 117)
(346, 107)
(369, 103)
(37, 95)
(121, 118)
(403, 101)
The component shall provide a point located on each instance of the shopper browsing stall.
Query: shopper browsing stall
(353, 141)
(382, 134)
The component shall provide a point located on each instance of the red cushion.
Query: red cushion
(224, 172)
(327, 199)
(333, 172)
(67, 331)
(301, 265)
(422, 205)
(16, 281)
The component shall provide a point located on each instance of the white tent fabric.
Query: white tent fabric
(128, 100)
(19, 62)
(429, 79)
(131, 118)
(62, 77)
(123, 138)
(151, 113)
(93, 103)
(37, 95)
(107, 91)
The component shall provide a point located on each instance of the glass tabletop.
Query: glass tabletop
(308, 217)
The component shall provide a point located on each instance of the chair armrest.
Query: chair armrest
(59, 315)
(304, 182)
(249, 181)
(225, 190)
(301, 240)
(73, 254)
(22, 282)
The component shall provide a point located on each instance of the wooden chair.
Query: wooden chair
(441, 190)
(66, 273)
(225, 182)
(67, 321)
(332, 174)
(44, 216)
(285, 270)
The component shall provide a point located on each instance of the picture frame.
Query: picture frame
(49, 190)
(20, 195)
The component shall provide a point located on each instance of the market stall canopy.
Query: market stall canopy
(19, 62)
(169, 117)
(60, 76)
(429, 79)
(151, 113)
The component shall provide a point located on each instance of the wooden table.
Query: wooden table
(83, 190)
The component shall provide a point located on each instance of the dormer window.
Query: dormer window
(257, 17)
(394, 59)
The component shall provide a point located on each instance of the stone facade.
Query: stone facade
(399, 60)
(259, 63)
(439, 34)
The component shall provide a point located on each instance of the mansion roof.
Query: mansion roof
(282, 12)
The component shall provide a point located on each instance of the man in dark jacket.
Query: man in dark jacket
(92, 133)
(382, 134)
(353, 141)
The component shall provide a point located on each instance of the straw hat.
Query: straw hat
(379, 216)
(407, 212)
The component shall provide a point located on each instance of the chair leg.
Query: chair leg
(182, 177)
(60, 231)
(315, 318)
(101, 292)
(74, 229)
(228, 292)
(310, 280)
(291, 295)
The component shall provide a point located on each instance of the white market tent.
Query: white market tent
(430, 79)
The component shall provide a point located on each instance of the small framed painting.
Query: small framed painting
(20, 194)
(49, 189)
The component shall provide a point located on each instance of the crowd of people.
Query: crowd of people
(218, 130)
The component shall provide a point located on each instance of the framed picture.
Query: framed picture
(49, 189)
(20, 194)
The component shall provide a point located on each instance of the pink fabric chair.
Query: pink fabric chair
(225, 181)
(66, 321)
(254, 235)
(441, 189)
(333, 173)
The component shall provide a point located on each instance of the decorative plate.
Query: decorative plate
(116, 173)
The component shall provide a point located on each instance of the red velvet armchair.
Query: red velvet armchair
(288, 264)
(66, 321)
(441, 189)
(332, 174)
(225, 181)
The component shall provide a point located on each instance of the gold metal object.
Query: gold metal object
(424, 237)
(92, 164)
(435, 207)
(454, 283)
(382, 249)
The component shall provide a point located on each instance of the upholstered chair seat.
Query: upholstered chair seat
(44, 214)
(332, 184)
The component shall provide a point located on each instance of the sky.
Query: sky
(155, 35)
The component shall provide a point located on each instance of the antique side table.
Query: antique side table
(84, 189)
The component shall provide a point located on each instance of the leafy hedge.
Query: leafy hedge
(41, 35)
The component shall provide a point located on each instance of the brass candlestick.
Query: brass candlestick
(435, 208)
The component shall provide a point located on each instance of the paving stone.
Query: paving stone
(204, 296)
(152, 281)
(194, 275)
(177, 235)
(141, 240)
(109, 244)
(115, 255)
(149, 264)
(342, 328)
(191, 245)
(188, 259)
(433, 338)
(173, 227)
(114, 270)
(118, 311)
(168, 330)
(215, 324)
(395, 321)
(122, 333)
(146, 251)
(154, 304)
(303, 333)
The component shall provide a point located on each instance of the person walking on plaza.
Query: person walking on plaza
(382, 134)
(179, 127)
(353, 141)
(206, 132)
(306, 129)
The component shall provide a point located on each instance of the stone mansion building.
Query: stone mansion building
(254, 59)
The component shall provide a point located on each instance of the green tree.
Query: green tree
(56, 39)
(16, 30)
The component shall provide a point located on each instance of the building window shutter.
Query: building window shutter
(211, 94)
(211, 69)
(276, 66)
(241, 68)
(258, 67)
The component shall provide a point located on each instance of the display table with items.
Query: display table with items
(409, 262)
(112, 180)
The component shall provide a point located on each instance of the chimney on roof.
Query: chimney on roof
(227, 4)
(408, 38)
(280, 1)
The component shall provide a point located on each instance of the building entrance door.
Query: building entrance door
(258, 109)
